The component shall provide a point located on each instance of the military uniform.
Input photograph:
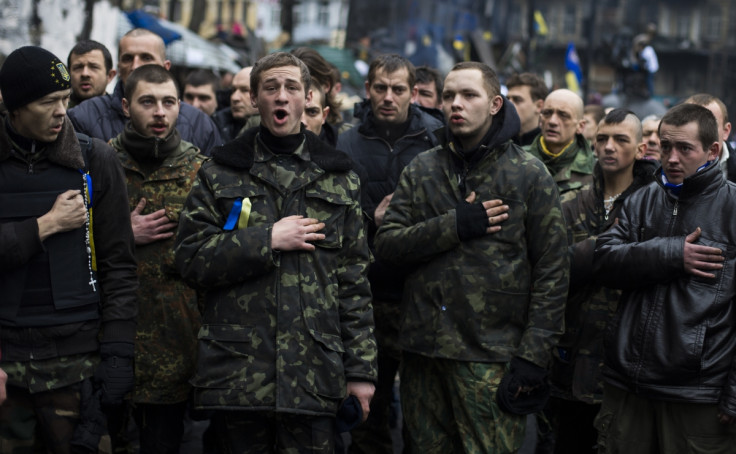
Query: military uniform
(282, 332)
(575, 376)
(475, 303)
(572, 169)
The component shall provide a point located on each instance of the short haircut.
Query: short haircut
(137, 32)
(390, 63)
(154, 74)
(86, 46)
(490, 79)
(426, 75)
(537, 88)
(685, 113)
(703, 99)
(278, 60)
(316, 87)
(200, 77)
(618, 116)
(597, 111)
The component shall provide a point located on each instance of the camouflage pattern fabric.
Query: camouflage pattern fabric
(573, 169)
(41, 422)
(168, 316)
(490, 298)
(248, 432)
(282, 331)
(449, 406)
(48, 374)
(578, 358)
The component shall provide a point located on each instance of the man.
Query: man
(316, 110)
(272, 231)
(592, 114)
(727, 160)
(650, 136)
(391, 132)
(670, 383)
(103, 116)
(160, 169)
(477, 221)
(577, 383)
(429, 88)
(90, 67)
(231, 121)
(200, 90)
(561, 145)
(527, 91)
(67, 270)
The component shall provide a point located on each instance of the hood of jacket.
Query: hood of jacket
(64, 151)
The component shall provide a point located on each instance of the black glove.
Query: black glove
(349, 415)
(531, 379)
(115, 373)
(471, 220)
(93, 422)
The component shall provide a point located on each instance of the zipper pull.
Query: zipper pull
(674, 212)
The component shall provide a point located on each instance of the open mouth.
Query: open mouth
(280, 115)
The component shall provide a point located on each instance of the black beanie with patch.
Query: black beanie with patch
(30, 73)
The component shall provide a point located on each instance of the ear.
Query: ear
(726, 131)
(714, 151)
(325, 112)
(167, 65)
(308, 99)
(496, 104)
(538, 104)
(367, 89)
(581, 126)
(126, 108)
(111, 75)
(253, 100)
(640, 150)
(414, 93)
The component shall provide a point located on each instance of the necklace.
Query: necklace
(87, 226)
(608, 203)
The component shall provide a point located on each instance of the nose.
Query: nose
(159, 111)
(389, 96)
(609, 145)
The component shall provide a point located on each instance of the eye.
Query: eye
(547, 113)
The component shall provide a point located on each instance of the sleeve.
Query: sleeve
(622, 260)
(405, 236)
(208, 256)
(356, 312)
(546, 237)
(19, 241)
(114, 245)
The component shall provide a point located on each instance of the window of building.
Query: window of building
(569, 20)
(276, 15)
(713, 21)
(683, 25)
(323, 13)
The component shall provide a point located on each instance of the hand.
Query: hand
(293, 233)
(725, 418)
(381, 210)
(115, 372)
(3, 391)
(148, 228)
(363, 390)
(68, 213)
(496, 212)
(699, 259)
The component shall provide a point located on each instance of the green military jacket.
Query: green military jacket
(576, 372)
(282, 331)
(573, 169)
(490, 298)
(168, 316)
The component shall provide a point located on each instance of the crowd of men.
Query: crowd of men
(268, 267)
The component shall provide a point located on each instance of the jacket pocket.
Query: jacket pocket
(252, 209)
(331, 209)
(224, 354)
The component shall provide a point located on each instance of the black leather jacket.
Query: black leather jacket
(674, 334)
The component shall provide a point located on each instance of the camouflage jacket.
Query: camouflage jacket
(573, 169)
(578, 358)
(490, 298)
(168, 319)
(281, 331)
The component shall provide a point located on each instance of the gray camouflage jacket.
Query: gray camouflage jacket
(490, 298)
(281, 331)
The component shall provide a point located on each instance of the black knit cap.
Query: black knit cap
(30, 73)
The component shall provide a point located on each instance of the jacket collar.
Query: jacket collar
(64, 151)
(240, 153)
(708, 179)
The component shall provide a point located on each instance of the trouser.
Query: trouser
(572, 426)
(41, 422)
(631, 424)
(374, 435)
(450, 406)
(160, 427)
(254, 432)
